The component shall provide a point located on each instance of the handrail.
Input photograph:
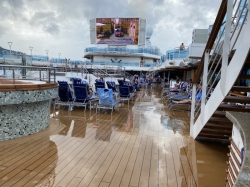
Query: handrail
(28, 67)
(151, 71)
(216, 27)
(101, 72)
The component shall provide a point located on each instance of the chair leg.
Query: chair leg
(96, 109)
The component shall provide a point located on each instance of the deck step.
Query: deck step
(219, 126)
(217, 136)
(216, 131)
(219, 114)
(237, 108)
(218, 120)
(240, 89)
(234, 99)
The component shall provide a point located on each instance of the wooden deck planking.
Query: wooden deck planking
(136, 173)
(131, 162)
(163, 165)
(42, 160)
(88, 159)
(74, 154)
(143, 152)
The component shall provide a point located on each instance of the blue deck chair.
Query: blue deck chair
(77, 81)
(128, 84)
(111, 85)
(81, 94)
(99, 84)
(120, 82)
(65, 94)
(106, 99)
(124, 93)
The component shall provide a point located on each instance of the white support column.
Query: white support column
(204, 86)
(226, 46)
(192, 110)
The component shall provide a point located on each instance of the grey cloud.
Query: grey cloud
(42, 18)
(2, 30)
(15, 3)
(51, 28)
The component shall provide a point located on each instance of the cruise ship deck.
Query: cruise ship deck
(138, 145)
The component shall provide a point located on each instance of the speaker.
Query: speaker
(142, 58)
(154, 60)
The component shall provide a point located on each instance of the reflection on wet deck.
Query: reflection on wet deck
(140, 145)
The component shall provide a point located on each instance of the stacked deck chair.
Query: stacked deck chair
(99, 83)
(82, 97)
(106, 99)
(124, 93)
(65, 94)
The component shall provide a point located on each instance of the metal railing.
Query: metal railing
(151, 72)
(28, 73)
(101, 73)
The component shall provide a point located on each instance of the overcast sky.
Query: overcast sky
(62, 26)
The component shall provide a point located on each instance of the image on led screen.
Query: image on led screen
(118, 31)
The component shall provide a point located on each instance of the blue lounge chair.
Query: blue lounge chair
(65, 94)
(81, 94)
(124, 93)
(99, 84)
(111, 85)
(128, 84)
(106, 99)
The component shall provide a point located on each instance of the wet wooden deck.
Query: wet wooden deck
(140, 145)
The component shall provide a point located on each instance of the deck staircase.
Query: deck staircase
(220, 69)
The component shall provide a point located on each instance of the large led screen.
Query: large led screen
(117, 31)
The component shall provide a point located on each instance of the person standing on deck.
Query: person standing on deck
(182, 46)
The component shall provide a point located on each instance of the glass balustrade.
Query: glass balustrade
(124, 64)
(177, 53)
(153, 50)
